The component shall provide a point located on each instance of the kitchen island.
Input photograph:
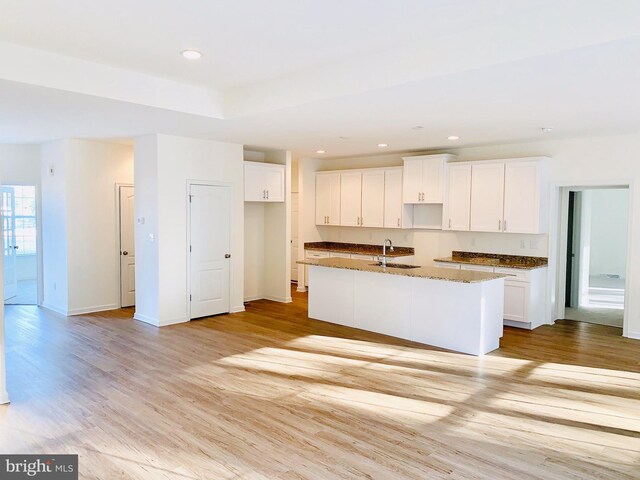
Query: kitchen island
(453, 309)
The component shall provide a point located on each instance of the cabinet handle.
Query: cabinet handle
(449, 223)
(423, 196)
(267, 194)
(499, 225)
(361, 221)
(398, 221)
(418, 196)
(327, 219)
(264, 194)
(505, 225)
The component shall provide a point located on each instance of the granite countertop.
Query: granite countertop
(432, 273)
(358, 248)
(495, 260)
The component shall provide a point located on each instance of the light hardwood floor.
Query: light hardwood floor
(270, 394)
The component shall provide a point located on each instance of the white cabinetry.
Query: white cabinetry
(263, 182)
(372, 210)
(328, 198)
(457, 206)
(350, 198)
(524, 293)
(487, 197)
(393, 206)
(424, 178)
(525, 194)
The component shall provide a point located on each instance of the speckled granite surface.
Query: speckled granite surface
(433, 273)
(495, 260)
(358, 248)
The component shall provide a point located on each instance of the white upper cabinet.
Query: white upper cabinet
(393, 204)
(328, 198)
(423, 180)
(372, 210)
(525, 196)
(350, 198)
(457, 207)
(263, 182)
(487, 197)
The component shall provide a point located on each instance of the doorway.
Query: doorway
(20, 244)
(209, 249)
(596, 261)
(126, 209)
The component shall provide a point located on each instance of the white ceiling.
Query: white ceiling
(300, 74)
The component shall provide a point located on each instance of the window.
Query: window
(25, 217)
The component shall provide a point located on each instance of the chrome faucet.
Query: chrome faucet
(383, 259)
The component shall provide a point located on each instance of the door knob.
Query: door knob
(227, 255)
(125, 253)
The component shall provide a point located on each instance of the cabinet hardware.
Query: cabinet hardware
(362, 221)
(227, 255)
(499, 225)
(398, 221)
(264, 194)
(505, 225)
(418, 196)
(267, 194)
(423, 196)
(449, 223)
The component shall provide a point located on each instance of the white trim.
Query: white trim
(233, 253)
(253, 298)
(4, 398)
(634, 335)
(93, 309)
(237, 309)
(558, 247)
(119, 239)
(274, 298)
(301, 288)
(157, 323)
(54, 308)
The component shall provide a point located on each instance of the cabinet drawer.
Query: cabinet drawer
(339, 255)
(309, 254)
(515, 274)
(356, 256)
(476, 268)
(452, 266)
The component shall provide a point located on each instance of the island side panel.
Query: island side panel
(492, 326)
(332, 295)
(383, 304)
(448, 315)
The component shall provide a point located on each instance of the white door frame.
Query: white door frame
(558, 221)
(231, 246)
(118, 260)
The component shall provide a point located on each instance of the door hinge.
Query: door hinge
(190, 248)
(190, 298)
(190, 198)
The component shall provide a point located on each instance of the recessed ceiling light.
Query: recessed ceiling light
(547, 129)
(453, 137)
(191, 54)
(383, 145)
(320, 151)
(417, 127)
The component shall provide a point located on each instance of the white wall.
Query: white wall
(80, 214)
(609, 231)
(164, 164)
(575, 162)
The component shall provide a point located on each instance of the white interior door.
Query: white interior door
(9, 246)
(127, 247)
(210, 249)
(294, 237)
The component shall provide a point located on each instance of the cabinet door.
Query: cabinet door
(432, 181)
(334, 199)
(350, 198)
(451, 266)
(412, 181)
(522, 198)
(273, 180)
(487, 197)
(254, 190)
(516, 301)
(458, 201)
(372, 199)
(323, 198)
(393, 198)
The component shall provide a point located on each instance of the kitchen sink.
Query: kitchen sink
(395, 265)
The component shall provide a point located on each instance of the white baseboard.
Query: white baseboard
(634, 335)
(157, 323)
(237, 309)
(54, 308)
(253, 298)
(94, 309)
(301, 288)
(278, 299)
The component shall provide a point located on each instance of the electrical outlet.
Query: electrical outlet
(473, 241)
(523, 244)
(534, 244)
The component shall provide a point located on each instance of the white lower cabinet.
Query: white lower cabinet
(524, 293)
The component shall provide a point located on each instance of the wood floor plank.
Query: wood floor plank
(271, 394)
